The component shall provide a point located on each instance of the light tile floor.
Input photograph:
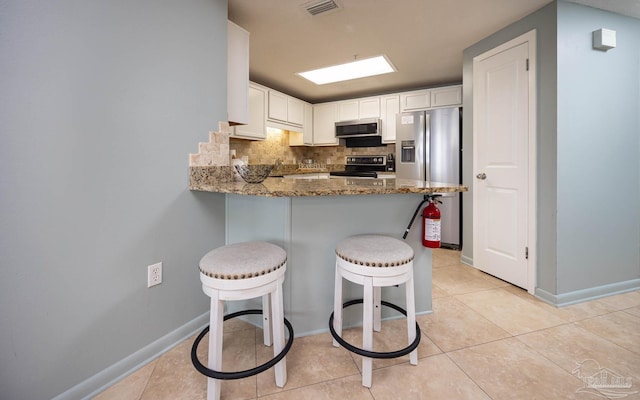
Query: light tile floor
(485, 340)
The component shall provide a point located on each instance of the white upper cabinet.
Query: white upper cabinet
(348, 110)
(325, 116)
(415, 100)
(295, 111)
(285, 109)
(237, 74)
(314, 124)
(446, 96)
(304, 138)
(255, 129)
(270, 108)
(425, 99)
(277, 106)
(368, 107)
(307, 129)
(390, 107)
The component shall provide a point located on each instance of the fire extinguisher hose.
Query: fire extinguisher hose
(406, 232)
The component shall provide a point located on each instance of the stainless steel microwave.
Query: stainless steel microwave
(358, 128)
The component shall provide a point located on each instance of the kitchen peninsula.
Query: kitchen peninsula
(308, 217)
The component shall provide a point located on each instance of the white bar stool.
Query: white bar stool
(374, 261)
(244, 271)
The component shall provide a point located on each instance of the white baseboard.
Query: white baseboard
(107, 377)
(580, 296)
(466, 260)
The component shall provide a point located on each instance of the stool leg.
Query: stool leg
(215, 345)
(337, 306)
(411, 318)
(377, 296)
(367, 330)
(266, 320)
(277, 313)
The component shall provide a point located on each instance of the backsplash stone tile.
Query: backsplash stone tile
(216, 151)
(276, 146)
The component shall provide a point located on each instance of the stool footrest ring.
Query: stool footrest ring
(240, 374)
(375, 354)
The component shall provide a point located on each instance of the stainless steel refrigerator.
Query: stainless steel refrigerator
(428, 148)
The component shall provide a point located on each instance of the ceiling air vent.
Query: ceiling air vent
(319, 7)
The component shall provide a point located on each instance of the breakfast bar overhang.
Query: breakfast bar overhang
(308, 217)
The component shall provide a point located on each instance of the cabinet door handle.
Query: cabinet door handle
(482, 176)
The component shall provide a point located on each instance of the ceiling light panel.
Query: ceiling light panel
(353, 70)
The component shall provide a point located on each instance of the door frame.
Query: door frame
(530, 37)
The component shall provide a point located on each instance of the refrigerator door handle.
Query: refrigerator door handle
(427, 147)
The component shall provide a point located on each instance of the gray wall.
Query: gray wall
(100, 104)
(598, 224)
(588, 154)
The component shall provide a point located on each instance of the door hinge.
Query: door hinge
(526, 253)
(527, 64)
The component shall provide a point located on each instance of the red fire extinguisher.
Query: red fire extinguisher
(431, 225)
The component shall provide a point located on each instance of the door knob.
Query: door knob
(482, 176)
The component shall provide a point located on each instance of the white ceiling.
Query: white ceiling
(424, 39)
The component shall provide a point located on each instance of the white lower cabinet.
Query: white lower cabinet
(325, 116)
(256, 128)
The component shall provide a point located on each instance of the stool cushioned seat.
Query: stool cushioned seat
(374, 261)
(374, 251)
(243, 271)
(243, 260)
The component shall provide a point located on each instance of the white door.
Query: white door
(504, 132)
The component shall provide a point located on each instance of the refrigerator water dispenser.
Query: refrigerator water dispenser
(408, 151)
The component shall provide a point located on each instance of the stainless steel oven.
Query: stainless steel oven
(370, 167)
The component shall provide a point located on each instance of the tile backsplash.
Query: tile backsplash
(276, 146)
(216, 151)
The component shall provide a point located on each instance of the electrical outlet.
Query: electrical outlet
(154, 274)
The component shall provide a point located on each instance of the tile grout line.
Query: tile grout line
(146, 385)
(603, 337)
(468, 376)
